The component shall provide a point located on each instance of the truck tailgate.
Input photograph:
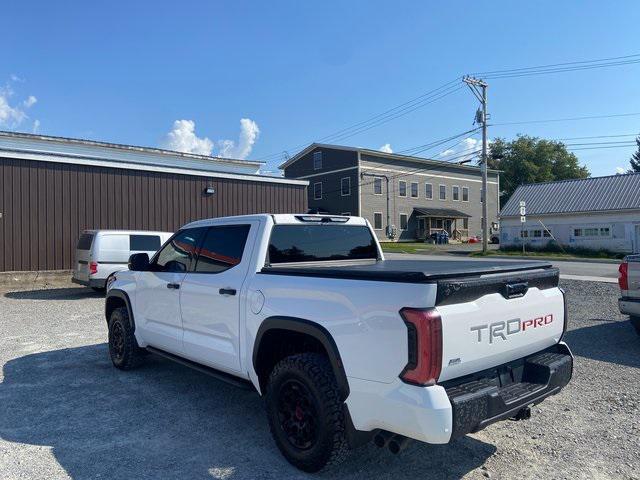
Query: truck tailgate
(493, 319)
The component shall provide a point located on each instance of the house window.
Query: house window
(428, 191)
(317, 160)
(402, 188)
(546, 233)
(605, 231)
(465, 223)
(455, 193)
(377, 186)
(577, 232)
(345, 186)
(536, 233)
(414, 190)
(317, 191)
(403, 221)
(377, 220)
(443, 192)
(524, 234)
(465, 194)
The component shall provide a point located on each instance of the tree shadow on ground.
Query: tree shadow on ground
(166, 421)
(67, 293)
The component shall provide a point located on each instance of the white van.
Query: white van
(100, 253)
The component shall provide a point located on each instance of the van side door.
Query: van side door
(212, 296)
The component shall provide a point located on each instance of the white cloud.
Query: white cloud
(183, 138)
(30, 101)
(386, 148)
(13, 114)
(464, 150)
(620, 171)
(36, 126)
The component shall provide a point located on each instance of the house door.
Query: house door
(447, 226)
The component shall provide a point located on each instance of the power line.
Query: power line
(599, 136)
(435, 143)
(560, 70)
(596, 148)
(568, 119)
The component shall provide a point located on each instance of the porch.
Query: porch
(437, 220)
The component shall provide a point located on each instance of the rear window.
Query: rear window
(144, 243)
(85, 241)
(312, 243)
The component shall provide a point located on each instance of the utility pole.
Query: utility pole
(479, 89)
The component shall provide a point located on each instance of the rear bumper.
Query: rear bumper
(629, 306)
(93, 283)
(500, 393)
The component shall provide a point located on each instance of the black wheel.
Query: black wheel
(305, 412)
(635, 321)
(123, 347)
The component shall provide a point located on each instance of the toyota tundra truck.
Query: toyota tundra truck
(344, 346)
(629, 282)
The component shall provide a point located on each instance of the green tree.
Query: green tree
(532, 160)
(635, 158)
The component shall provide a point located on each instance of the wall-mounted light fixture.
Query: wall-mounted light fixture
(209, 191)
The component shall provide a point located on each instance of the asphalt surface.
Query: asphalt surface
(576, 268)
(65, 412)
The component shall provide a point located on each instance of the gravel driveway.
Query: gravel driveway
(66, 413)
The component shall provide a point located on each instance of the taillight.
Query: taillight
(623, 279)
(424, 335)
(93, 268)
(566, 312)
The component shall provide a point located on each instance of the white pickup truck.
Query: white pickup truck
(629, 281)
(344, 345)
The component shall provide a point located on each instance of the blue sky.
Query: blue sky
(297, 71)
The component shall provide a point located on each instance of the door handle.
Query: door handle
(227, 291)
(174, 286)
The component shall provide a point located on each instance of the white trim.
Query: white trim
(314, 191)
(430, 175)
(400, 214)
(425, 191)
(374, 186)
(345, 194)
(359, 184)
(381, 221)
(453, 197)
(469, 193)
(405, 188)
(328, 172)
(440, 192)
(417, 184)
(41, 157)
(593, 212)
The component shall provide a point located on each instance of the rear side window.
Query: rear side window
(176, 255)
(222, 248)
(311, 243)
(85, 241)
(144, 243)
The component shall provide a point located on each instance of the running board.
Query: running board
(212, 372)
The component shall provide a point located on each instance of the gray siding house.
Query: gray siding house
(404, 197)
(594, 213)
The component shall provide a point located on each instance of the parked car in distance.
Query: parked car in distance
(344, 345)
(629, 281)
(100, 253)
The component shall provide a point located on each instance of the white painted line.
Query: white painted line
(587, 278)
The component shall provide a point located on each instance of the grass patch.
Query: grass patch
(553, 250)
(406, 247)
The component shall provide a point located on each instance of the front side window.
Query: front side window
(414, 190)
(222, 248)
(317, 191)
(455, 193)
(377, 221)
(176, 256)
(317, 160)
(402, 188)
(443, 192)
(403, 221)
(345, 186)
(377, 186)
(428, 191)
(144, 243)
(465, 194)
(321, 242)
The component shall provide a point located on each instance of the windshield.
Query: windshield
(312, 243)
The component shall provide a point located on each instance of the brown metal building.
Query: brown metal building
(53, 188)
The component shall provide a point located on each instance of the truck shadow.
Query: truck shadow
(166, 421)
(66, 293)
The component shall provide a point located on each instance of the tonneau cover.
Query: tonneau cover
(405, 271)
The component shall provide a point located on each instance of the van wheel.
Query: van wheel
(123, 348)
(635, 321)
(305, 413)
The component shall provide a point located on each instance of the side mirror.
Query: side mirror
(139, 262)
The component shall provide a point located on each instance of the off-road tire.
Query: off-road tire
(635, 321)
(312, 371)
(123, 348)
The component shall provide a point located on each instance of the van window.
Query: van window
(311, 243)
(176, 255)
(85, 241)
(144, 243)
(222, 248)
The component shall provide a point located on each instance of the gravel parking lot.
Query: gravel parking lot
(66, 413)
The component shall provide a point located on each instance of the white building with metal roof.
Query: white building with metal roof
(594, 213)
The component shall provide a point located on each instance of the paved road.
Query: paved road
(568, 270)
